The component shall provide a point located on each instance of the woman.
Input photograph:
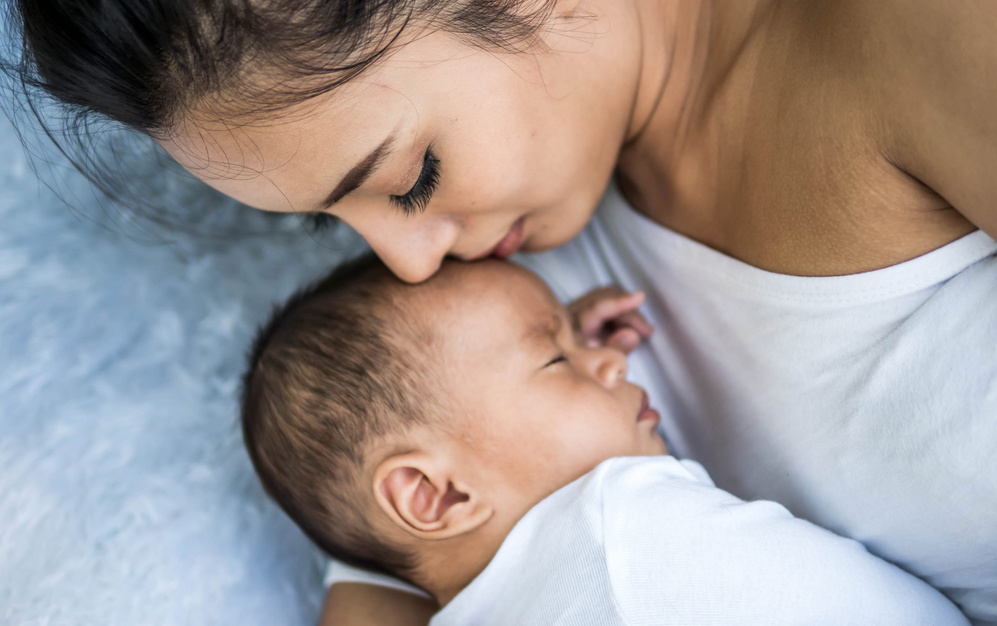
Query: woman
(811, 197)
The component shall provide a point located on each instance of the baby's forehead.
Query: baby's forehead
(493, 298)
(496, 282)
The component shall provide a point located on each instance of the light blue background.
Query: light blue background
(126, 496)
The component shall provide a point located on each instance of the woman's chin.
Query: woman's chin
(547, 240)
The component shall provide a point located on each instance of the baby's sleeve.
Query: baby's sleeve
(677, 546)
(339, 572)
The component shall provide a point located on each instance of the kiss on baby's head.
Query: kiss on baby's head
(407, 428)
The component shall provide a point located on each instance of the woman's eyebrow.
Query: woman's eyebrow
(360, 172)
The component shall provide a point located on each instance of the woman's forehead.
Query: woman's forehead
(404, 70)
(427, 69)
(296, 157)
(349, 115)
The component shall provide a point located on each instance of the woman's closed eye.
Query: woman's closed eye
(417, 198)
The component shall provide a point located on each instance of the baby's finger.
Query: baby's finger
(625, 340)
(636, 321)
(592, 319)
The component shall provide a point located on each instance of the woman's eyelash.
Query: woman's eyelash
(557, 360)
(417, 198)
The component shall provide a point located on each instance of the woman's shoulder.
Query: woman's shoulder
(924, 72)
(868, 137)
(912, 58)
(895, 33)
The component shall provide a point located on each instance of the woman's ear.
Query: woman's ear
(421, 495)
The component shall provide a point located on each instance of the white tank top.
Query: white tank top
(865, 403)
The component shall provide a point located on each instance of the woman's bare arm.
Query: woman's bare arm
(355, 604)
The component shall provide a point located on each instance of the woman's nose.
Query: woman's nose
(412, 249)
(606, 365)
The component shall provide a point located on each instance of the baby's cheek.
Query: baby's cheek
(593, 448)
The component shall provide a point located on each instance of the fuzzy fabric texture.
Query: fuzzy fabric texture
(126, 496)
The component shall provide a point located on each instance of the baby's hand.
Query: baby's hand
(609, 317)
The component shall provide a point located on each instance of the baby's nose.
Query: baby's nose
(610, 366)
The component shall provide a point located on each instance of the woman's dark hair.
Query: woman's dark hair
(148, 64)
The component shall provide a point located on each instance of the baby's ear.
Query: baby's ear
(421, 495)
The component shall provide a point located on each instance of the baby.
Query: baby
(458, 434)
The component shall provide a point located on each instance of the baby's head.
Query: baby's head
(407, 428)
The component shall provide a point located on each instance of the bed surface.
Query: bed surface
(125, 494)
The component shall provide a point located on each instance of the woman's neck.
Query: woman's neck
(672, 38)
(691, 49)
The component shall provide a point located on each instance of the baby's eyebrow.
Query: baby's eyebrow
(544, 328)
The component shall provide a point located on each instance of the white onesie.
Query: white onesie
(644, 541)
(648, 541)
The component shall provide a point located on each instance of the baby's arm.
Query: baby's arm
(358, 604)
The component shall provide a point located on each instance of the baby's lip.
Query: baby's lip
(646, 412)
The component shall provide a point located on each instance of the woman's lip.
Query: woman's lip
(511, 242)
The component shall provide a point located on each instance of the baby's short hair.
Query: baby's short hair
(329, 374)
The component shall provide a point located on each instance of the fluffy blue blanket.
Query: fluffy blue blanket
(126, 496)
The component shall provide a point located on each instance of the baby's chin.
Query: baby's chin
(653, 446)
(659, 445)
